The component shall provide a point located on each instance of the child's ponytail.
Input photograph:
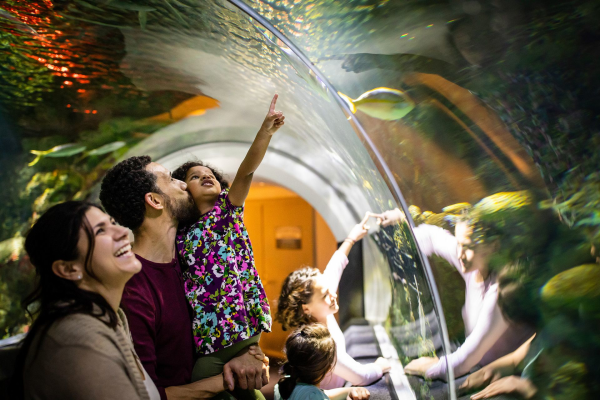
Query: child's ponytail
(310, 351)
(288, 382)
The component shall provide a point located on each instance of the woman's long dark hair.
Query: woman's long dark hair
(55, 237)
(310, 352)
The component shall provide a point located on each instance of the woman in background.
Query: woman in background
(308, 297)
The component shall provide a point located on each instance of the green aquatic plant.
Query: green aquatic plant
(64, 150)
(11, 249)
(64, 172)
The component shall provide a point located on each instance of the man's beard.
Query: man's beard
(183, 210)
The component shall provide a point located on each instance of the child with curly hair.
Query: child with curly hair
(230, 307)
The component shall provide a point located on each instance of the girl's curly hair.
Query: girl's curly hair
(297, 290)
(181, 172)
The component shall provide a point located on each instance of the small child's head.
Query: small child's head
(310, 352)
(305, 298)
(202, 179)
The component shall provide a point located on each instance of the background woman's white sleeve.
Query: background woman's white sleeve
(354, 372)
(347, 367)
(435, 240)
(490, 326)
(335, 269)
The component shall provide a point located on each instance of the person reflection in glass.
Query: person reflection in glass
(488, 335)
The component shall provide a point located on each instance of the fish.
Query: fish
(301, 69)
(382, 103)
(194, 106)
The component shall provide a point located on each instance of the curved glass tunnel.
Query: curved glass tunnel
(446, 110)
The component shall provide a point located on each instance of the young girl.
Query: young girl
(310, 352)
(309, 297)
(230, 308)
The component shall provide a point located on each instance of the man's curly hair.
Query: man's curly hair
(297, 290)
(181, 172)
(123, 190)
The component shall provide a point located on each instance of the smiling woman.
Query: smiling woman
(80, 341)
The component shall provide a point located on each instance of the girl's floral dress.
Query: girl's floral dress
(221, 283)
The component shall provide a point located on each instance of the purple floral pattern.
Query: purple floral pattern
(221, 284)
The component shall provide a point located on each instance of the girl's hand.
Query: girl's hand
(359, 230)
(389, 217)
(480, 379)
(274, 119)
(509, 384)
(358, 393)
(384, 364)
(420, 365)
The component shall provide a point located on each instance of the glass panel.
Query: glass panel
(483, 111)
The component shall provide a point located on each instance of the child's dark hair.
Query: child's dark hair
(181, 172)
(515, 290)
(310, 352)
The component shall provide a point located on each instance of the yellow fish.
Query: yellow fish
(383, 103)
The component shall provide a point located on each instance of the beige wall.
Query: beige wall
(267, 208)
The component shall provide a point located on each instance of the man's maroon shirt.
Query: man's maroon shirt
(159, 318)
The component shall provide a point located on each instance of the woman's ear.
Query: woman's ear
(305, 309)
(69, 270)
(154, 200)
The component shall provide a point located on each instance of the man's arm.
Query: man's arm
(241, 183)
(203, 389)
(250, 368)
(251, 361)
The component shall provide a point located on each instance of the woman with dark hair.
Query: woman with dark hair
(309, 297)
(79, 345)
(310, 352)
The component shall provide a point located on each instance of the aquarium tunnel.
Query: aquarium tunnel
(470, 127)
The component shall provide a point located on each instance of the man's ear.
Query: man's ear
(154, 200)
(69, 270)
